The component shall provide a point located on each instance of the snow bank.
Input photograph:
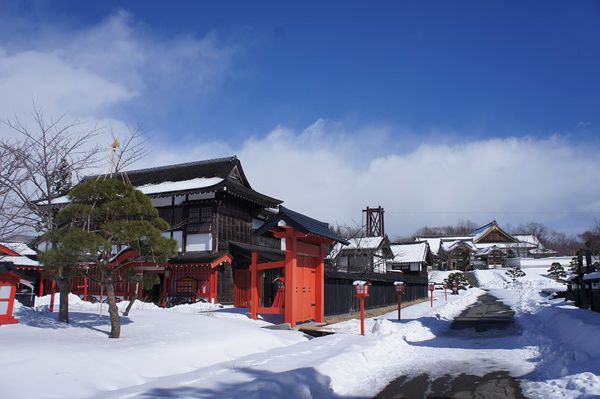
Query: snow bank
(526, 263)
(492, 278)
(79, 360)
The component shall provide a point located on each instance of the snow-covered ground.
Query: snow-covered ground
(567, 338)
(205, 351)
(46, 359)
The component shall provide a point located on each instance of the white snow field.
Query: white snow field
(185, 352)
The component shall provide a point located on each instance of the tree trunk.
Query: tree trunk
(132, 299)
(113, 310)
(65, 288)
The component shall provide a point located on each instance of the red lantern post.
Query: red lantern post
(399, 291)
(431, 289)
(362, 291)
(445, 293)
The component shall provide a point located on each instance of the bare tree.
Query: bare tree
(131, 148)
(461, 228)
(47, 158)
(8, 206)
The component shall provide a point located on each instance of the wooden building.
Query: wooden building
(410, 258)
(486, 246)
(213, 211)
(363, 255)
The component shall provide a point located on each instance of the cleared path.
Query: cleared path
(487, 315)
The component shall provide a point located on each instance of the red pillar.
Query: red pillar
(320, 287)
(213, 286)
(399, 304)
(254, 286)
(41, 284)
(165, 289)
(85, 288)
(290, 279)
(52, 297)
(362, 315)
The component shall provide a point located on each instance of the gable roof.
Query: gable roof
(435, 242)
(529, 239)
(410, 253)
(301, 223)
(212, 175)
(19, 247)
(448, 246)
(11, 256)
(209, 168)
(366, 243)
(482, 231)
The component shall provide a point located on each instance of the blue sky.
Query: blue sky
(378, 80)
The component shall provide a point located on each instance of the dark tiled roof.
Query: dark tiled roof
(243, 251)
(220, 167)
(302, 223)
(197, 257)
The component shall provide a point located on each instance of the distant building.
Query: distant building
(364, 255)
(410, 258)
(487, 246)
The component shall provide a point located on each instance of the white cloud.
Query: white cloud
(92, 73)
(333, 174)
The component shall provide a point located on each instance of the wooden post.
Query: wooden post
(85, 288)
(399, 304)
(290, 279)
(52, 297)
(254, 286)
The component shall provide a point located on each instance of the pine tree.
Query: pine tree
(556, 271)
(107, 213)
(460, 278)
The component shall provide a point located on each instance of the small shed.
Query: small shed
(302, 292)
(8, 289)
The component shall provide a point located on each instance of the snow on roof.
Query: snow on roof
(591, 276)
(542, 251)
(20, 261)
(434, 242)
(451, 245)
(409, 253)
(364, 243)
(529, 239)
(487, 250)
(164, 187)
(481, 245)
(480, 230)
(168, 186)
(19, 247)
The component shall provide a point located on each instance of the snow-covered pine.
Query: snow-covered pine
(460, 278)
(556, 271)
(515, 273)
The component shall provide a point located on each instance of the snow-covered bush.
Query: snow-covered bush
(573, 266)
(556, 271)
(460, 278)
(515, 273)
